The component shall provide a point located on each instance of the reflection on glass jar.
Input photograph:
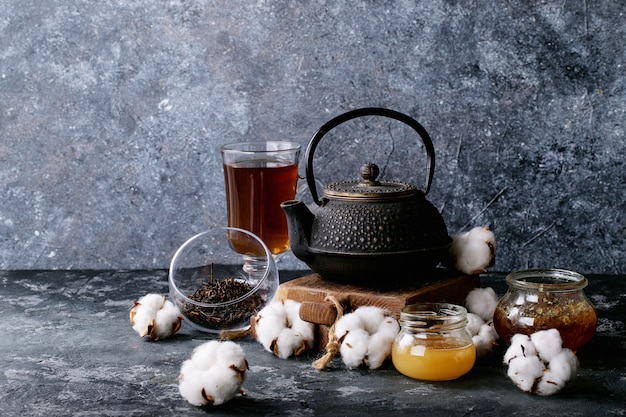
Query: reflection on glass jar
(540, 299)
(433, 344)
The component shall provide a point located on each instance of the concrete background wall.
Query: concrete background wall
(112, 113)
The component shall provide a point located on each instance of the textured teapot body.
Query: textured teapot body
(386, 227)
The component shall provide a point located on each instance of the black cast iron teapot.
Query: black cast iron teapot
(368, 232)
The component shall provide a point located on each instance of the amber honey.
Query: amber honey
(546, 299)
(434, 361)
(433, 344)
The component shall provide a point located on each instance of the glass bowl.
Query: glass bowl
(221, 277)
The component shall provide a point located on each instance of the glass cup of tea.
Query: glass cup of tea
(258, 177)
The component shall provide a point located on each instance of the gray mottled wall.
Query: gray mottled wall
(112, 112)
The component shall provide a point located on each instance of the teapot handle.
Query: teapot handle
(368, 111)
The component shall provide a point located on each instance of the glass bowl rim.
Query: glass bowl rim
(271, 268)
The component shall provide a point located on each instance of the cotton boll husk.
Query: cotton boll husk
(347, 323)
(521, 346)
(483, 302)
(548, 343)
(371, 317)
(524, 371)
(473, 323)
(354, 347)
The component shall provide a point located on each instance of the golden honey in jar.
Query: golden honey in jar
(433, 344)
(541, 299)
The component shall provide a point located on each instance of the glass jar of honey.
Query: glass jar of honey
(433, 344)
(541, 299)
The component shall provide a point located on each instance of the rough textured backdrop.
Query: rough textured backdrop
(111, 115)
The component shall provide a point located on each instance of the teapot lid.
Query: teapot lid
(369, 187)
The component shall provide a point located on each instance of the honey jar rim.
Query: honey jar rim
(546, 279)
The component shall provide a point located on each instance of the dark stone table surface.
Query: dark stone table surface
(67, 348)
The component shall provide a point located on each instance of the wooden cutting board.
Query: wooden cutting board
(312, 290)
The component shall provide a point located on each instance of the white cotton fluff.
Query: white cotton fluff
(354, 347)
(521, 346)
(346, 323)
(485, 339)
(366, 336)
(155, 316)
(548, 343)
(473, 251)
(213, 374)
(482, 301)
(524, 371)
(280, 329)
(474, 322)
(538, 363)
(380, 342)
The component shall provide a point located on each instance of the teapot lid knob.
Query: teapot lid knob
(369, 172)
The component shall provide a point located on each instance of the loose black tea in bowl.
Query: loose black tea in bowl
(216, 292)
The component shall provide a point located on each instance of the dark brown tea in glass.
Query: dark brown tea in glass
(258, 177)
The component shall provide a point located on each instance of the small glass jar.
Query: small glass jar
(433, 343)
(541, 299)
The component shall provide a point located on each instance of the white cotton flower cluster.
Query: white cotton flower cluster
(281, 331)
(481, 304)
(539, 364)
(155, 316)
(474, 251)
(213, 374)
(366, 336)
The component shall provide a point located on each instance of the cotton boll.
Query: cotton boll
(371, 317)
(390, 327)
(525, 371)
(379, 348)
(483, 302)
(268, 328)
(561, 369)
(347, 323)
(354, 347)
(473, 323)
(220, 384)
(281, 331)
(474, 251)
(548, 343)
(154, 316)
(485, 340)
(214, 374)
(287, 343)
(167, 322)
(521, 346)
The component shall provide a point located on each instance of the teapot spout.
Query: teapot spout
(299, 222)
